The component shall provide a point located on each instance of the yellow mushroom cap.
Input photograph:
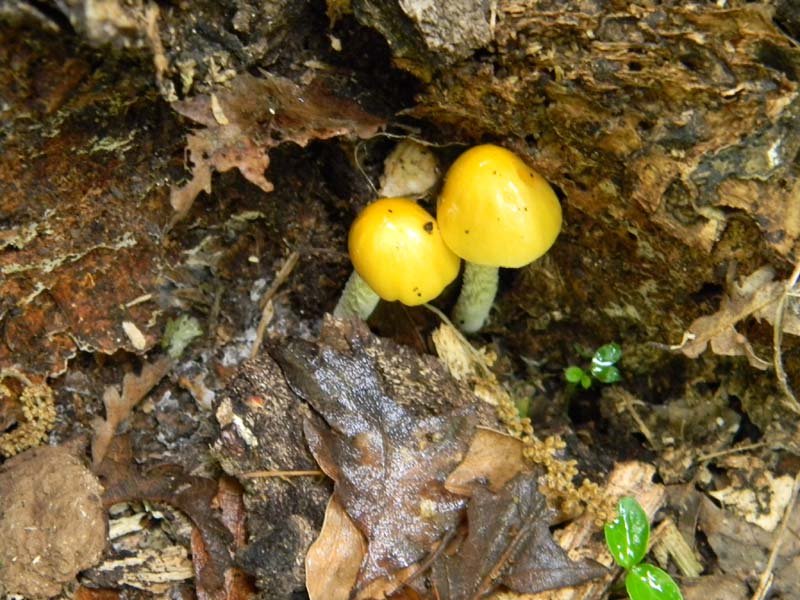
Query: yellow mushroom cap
(495, 210)
(396, 247)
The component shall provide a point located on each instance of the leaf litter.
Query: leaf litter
(509, 543)
(388, 454)
(253, 114)
(758, 296)
(119, 406)
(192, 495)
(391, 429)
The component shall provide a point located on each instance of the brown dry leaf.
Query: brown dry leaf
(118, 407)
(493, 459)
(509, 543)
(253, 115)
(394, 427)
(334, 559)
(86, 593)
(756, 296)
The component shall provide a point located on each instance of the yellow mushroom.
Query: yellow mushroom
(494, 211)
(398, 254)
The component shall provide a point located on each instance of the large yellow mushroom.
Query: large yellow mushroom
(494, 211)
(398, 253)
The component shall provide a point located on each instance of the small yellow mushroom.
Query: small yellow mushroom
(398, 253)
(494, 211)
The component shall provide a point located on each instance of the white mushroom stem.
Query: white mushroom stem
(478, 289)
(357, 299)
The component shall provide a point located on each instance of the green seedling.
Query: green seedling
(626, 538)
(602, 368)
(179, 333)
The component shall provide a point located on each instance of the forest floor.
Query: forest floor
(179, 407)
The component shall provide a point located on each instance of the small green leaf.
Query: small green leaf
(179, 333)
(627, 535)
(523, 406)
(648, 582)
(586, 381)
(573, 374)
(607, 355)
(606, 374)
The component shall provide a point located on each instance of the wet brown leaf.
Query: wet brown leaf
(388, 453)
(509, 543)
(253, 115)
(118, 407)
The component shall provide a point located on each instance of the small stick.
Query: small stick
(266, 300)
(737, 449)
(278, 473)
(627, 399)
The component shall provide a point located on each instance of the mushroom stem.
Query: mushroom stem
(357, 299)
(478, 289)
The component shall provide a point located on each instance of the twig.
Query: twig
(426, 563)
(713, 455)
(790, 400)
(213, 315)
(767, 576)
(266, 300)
(139, 300)
(279, 473)
(357, 159)
(266, 317)
(627, 400)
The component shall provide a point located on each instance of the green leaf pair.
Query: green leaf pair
(603, 362)
(578, 376)
(626, 538)
(602, 369)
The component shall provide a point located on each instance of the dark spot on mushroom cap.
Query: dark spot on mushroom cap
(466, 231)
(390, 210)
(428, 227)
